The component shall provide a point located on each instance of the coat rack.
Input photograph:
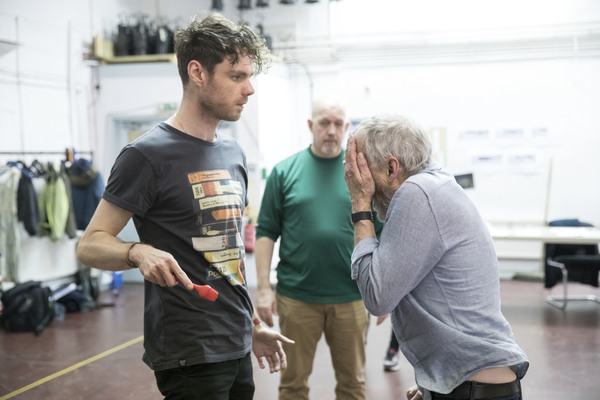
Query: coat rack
(69, 153)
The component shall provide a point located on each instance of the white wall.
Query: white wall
(494, 96)
(357, 17)
(471, 65)
(54, 81)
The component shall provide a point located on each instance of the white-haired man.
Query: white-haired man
(434, 269)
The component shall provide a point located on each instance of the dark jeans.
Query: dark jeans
(467, 391)
(228, 380)
(511, 397)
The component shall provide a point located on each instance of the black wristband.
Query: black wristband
(363, 215)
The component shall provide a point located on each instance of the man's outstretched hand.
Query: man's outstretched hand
(267, 343)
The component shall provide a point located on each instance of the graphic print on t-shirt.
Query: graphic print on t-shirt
(218, 202)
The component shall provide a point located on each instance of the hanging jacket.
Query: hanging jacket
(71, 225)
(28, 210)
(10, 240)
(87, 187)
(54, 206)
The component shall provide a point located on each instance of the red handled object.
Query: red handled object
(205, 291)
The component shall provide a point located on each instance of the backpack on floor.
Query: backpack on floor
(27, 308)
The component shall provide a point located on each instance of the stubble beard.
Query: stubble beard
(222, 112)
(330, 149)
(381, 201)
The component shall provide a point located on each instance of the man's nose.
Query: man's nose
(249, 89)
(331, 129)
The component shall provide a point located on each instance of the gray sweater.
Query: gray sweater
(435, 270)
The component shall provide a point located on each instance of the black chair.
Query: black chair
(571, 263)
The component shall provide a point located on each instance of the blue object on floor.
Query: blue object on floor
(117, 282)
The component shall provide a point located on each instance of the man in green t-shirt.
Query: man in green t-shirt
(306, 204)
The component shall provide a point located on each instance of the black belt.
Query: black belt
(481, 390)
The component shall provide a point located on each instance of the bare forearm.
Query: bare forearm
(99, 246)
(263, 254)
(363, 229)
(103, 251)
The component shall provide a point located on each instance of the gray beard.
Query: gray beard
(381, 203)
(381, 210)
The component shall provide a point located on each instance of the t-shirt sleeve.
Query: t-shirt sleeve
(271, 209)
(131, 184)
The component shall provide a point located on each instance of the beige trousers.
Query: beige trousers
(345, 327)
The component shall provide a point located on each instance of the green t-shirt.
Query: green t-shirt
(306, 203)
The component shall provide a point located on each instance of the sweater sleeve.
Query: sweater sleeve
(410, 246)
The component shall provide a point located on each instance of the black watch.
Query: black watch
(362, 215)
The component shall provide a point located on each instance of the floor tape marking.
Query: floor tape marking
(73, 367)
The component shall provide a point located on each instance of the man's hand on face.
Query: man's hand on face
(358, 177)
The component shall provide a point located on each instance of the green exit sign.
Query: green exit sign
(163, 107)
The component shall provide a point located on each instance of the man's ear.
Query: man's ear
(197, 73)
(394, 170)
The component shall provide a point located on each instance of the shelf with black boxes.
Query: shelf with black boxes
(104, 52)
(137, 38)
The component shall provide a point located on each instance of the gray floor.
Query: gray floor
(96, 355)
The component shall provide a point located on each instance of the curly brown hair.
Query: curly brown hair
(211, 39)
